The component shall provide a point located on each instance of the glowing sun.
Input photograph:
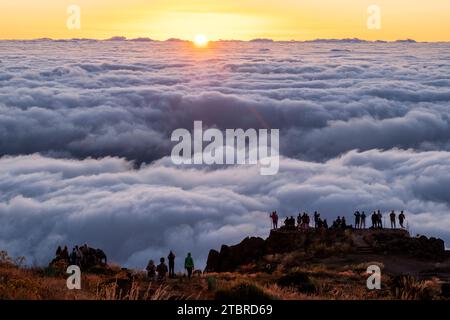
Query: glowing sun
(200, 40)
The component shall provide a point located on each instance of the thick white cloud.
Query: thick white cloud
(135, 214)
(87, 98)
(100, 115)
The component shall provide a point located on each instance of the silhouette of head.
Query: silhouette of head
(161, 260)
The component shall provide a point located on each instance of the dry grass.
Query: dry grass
(339, 281)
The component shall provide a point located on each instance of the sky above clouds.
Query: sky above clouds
(231, 19)
(85, 137)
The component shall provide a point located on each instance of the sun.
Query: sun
(200, 40)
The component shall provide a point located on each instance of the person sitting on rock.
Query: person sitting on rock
(151, 270)
(65, 254)
(392, 217)
(401, 218)
(162, 270)
(357, 219)
(362, 223)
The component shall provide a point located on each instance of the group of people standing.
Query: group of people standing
(160, 271)
(82, 256)
(303, 221)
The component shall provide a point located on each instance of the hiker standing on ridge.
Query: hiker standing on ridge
(380, 219)
(316, 219)
(392, 217)
(274, 217)
(362, 224)
(299, 221)
(357, 219)
(401, 218)
(189, 265)
(374, 220)
(171, 259)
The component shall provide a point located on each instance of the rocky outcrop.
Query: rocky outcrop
(316, 242)
(230, 257)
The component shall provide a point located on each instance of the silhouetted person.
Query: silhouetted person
(171, 259)
(274, 217)
(392, 217)
(380, 219)
(374, 220)
(357, 219)
(73, 257)
(299, 221)
(286, 222)
(338, 222)
(162, 270)
(151, 270)
(362, 224)
(292, 223)
(305, 221)
(343, 223)
(65, 254)
(79, 256)
(401, 218)
(319, 223)
(189, 265)
(325, 224)
(316, 219)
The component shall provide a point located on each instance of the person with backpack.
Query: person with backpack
(274, 217)
(151, 270)
(189, 265)
(162, 270)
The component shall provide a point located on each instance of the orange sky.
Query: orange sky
(227, 19)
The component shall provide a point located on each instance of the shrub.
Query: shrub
(243, 291)
(408, 288)
(212, 283)
(298, 280)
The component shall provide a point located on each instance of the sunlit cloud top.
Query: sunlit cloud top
(231, 19)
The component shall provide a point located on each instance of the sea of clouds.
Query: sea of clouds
(85, 137)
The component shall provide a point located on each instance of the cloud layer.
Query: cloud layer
(79, 99)
(135, 214)
(85, 127)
